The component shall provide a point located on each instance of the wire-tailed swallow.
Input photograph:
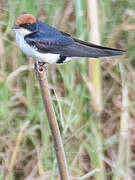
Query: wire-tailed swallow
(47, 44)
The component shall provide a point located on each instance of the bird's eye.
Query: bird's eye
(29, 26)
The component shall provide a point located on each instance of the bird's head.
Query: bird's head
(25, 24)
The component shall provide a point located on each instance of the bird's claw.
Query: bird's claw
(39, 67)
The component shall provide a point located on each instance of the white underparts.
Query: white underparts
(48, 57)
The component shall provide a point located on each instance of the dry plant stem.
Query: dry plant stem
(94, 64)
(41, 72)
(122, 171)
(95, 85)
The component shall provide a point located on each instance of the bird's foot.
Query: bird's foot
(39, 67)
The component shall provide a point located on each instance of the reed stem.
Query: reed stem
(41, 72)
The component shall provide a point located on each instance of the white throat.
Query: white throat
(20, 33)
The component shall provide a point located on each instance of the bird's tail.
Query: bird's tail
(84, 49)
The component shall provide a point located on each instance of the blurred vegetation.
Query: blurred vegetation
(22, 117)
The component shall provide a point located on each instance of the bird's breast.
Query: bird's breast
(23, 45)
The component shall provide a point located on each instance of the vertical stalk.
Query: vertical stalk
(41, 72)
(96, 97)
(94, 65)
(122, 169)
(79, 17)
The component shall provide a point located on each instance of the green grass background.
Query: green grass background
(90, 142)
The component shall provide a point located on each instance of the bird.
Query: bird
(48, 45)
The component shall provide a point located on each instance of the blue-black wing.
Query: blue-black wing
(47, 42)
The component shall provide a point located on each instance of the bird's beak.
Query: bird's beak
(15, 26)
